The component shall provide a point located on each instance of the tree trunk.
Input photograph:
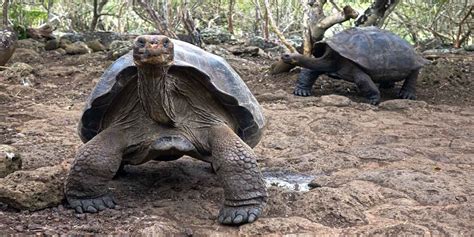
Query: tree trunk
(230, 18)
(5, 13)
(189, 26)
(50, 5)
(319, 22)
(96, 13)
(306, 32)
(258, 18)
(266, 30)
(120, 25)
(159, 21)
(460, 38)
(376, 14)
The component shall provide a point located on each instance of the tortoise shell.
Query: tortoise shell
(216, 74)
(375, 49)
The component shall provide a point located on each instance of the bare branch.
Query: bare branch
(276, 30)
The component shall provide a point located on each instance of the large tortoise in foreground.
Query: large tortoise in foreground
(363, 56)
(164, 100)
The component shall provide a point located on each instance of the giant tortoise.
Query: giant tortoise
(362, 55)
(163, 100)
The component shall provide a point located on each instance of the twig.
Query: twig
(458, 42)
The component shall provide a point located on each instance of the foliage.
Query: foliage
(415, 20)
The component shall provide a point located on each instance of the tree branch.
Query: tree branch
(275, 29)
(376, 14)
(459, 40)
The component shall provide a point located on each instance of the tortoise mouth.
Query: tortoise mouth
(152, 58)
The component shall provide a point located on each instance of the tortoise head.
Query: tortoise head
(289, 58)
(153, 50)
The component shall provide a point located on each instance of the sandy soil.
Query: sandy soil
(402, 168)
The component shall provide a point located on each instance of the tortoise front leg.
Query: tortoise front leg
(95, 164)
(305, 82)
(408, 90)
(236, 166)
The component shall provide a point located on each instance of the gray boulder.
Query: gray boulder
(78, 47)
(215, 36)
(34, 189)
(118, 48)
(10, 160)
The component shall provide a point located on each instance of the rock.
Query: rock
(335, 100)
(273, 96)
(10, 160)
(215, 36)
(217, 50)
(72, 37)
(404, 229)
(26, 56)
(434, 188)
(118, 48)
(96, 46)
(78, 47)
(164, 228)
(8, 40)
(63, 43)
(60, 51)
(21, 72)
(469, 47)
(400, 104)
(34, 189)
(4, 98)
(246, 50)
(260, 42)
(333, 208)
(379, 153)
(30, 44)
(105, 38)
(21, 69)
(51, 44)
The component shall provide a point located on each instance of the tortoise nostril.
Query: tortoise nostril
(166, 42)
(141, 42)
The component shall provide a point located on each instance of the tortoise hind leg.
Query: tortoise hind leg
(408, 90)
(236, 166)
(95, 164)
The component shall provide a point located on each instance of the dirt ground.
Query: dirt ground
(334, 165)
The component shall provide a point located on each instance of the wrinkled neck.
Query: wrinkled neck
(322, 64)
(153, 93)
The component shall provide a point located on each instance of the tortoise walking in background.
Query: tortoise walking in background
(164, 100)
(364, 56)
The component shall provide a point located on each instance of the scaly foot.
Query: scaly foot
(92, 205)
(239, 215)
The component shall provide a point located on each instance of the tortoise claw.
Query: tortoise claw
(374, 100)
(92, 205)
(239, 215)
(407, 95)
(302, 92)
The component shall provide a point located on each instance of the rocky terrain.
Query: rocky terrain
(333, 164)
